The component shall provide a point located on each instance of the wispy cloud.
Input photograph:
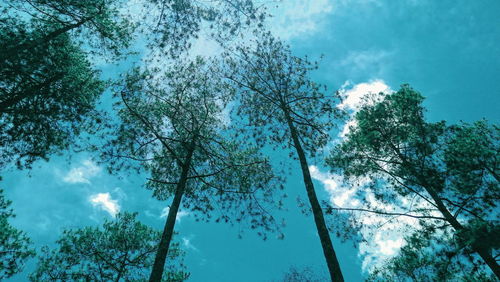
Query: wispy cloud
(374, 62)
(186, 242)
(294, 18)
(82, 173)
(180, 214)
(105, 202)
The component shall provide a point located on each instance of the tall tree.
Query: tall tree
(283, 105)
(121, 250)
(449, 174)
(173, 125)
(14, 244)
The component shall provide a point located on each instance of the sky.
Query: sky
(447, 50)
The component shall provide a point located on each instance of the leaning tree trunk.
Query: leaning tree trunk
(324, 235)
(168, 230)
(484, 253)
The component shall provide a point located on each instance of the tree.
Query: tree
(121, 250)
(14, 244)
(282, 105)
(448, 173)
(47, 96)
(172, 125)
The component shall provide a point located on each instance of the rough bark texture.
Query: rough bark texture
(324, 235)
(168, 230)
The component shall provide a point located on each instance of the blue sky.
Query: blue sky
(447, 50)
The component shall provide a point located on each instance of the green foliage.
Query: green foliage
(448, 173)
(47, 94)
(431, 256)
(162, 115)
(14, 244)
(48, 88)
(97, 23)
(122, 249)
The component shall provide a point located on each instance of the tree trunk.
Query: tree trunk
(168, 231)
(485, 254)
(324, 235)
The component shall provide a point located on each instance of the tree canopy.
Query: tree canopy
(121, 250)
(446, 173)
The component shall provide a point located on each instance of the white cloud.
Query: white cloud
(83, 173)
(180, 214)
(387, 246)
(353, 97)
(294, 18)
(387, 235)
(105, 202)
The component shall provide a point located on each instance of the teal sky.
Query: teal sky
(448, 50)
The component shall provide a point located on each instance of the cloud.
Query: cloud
(294, 18)
(353, 96)
(353, 99)
(105, 202)
(83, 173)
(366, 61)
(180, 214)
(387, 236)
(186, 242)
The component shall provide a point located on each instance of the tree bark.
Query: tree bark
(168, 231)
(324, 235)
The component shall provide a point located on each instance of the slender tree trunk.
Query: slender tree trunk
(324, 235)
(168, 231)
(484, 253)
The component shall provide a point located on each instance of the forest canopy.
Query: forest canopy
(207, 110)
